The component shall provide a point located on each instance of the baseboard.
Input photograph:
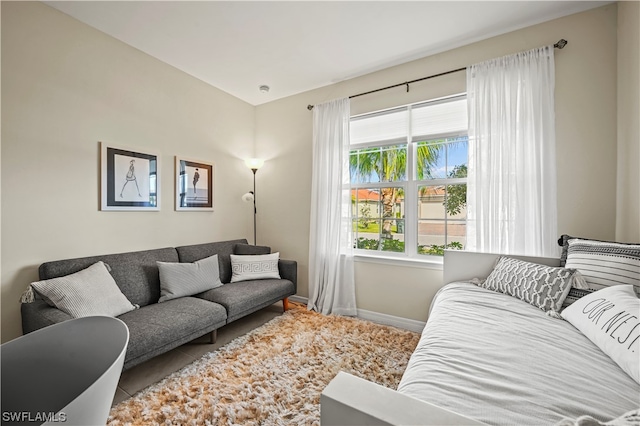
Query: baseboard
(405, 323)
(299, 299)
(377, 317)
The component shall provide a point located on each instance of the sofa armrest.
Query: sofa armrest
(350, 400)
(289, 271)
(39, 314)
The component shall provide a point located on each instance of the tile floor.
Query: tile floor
(155, 369)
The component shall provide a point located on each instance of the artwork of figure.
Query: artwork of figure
(196, 178)
(194, 185)
(131, 176)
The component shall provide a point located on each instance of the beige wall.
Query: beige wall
(628, 207)
(66, 86)
(586, 146)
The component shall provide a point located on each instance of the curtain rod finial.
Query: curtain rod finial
(561, 44)
(309, 107)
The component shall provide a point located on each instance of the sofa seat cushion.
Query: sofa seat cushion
(157, 328)
(242, 298)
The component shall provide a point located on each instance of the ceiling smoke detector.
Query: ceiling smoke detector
(264, 88)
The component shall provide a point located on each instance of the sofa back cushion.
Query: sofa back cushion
(248, 249)
(135, 273)
(224, 249)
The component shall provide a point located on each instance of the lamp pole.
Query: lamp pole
(255, 209)
(254, 164)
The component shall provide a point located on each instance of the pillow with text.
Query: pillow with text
(610, 318)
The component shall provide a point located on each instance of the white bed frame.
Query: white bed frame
(349, 400)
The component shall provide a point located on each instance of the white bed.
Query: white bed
(488, 358)
(496, 359)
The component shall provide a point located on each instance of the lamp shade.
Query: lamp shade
(254, 163)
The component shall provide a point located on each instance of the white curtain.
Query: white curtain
(331, 277)
(511, 192)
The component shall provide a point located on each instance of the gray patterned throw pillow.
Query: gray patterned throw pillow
(542, 286)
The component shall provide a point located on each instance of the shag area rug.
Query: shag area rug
(273, 375)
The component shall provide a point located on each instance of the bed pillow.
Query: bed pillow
(564, 239)
(563, 242)
(91, 291)
(542, 286)
(603, 264)
(257, 267)
(187, 279)
(610, 319)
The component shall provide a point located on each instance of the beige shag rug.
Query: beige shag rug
(273, 375)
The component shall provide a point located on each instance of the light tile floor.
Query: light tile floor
(155, 369)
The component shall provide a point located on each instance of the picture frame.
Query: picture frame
(130, 179)
(194, 184)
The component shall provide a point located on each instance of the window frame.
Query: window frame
(410, 185)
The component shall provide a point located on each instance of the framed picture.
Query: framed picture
(129, 179)
(194, 185)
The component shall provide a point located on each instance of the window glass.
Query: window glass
(379, 164)
(430, 164)
(378, 222)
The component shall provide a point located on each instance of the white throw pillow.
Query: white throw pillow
(610, 319)
(89, 292)
(187, 279)
(244, 268)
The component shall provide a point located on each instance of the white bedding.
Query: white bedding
(494, 358)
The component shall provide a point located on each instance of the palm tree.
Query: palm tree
(389, 164)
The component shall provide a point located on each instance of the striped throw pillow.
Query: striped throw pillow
(186, 279)
(603, 264)
(91, 291)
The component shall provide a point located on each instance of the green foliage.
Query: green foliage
(398, 246)
(428, 153)
(456, 198)
(367, 243)
(387, 244)
(393, 245)
(437, 250)
(365, 216)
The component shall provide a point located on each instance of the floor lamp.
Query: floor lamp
(254, 164)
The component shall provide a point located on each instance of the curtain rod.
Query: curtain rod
(559, 45)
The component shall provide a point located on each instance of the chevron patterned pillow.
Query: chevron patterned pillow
(542, 286)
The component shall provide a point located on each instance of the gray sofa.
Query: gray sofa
(155, 327)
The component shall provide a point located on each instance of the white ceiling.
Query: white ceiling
(295, 46)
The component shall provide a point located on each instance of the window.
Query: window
(408, 169)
